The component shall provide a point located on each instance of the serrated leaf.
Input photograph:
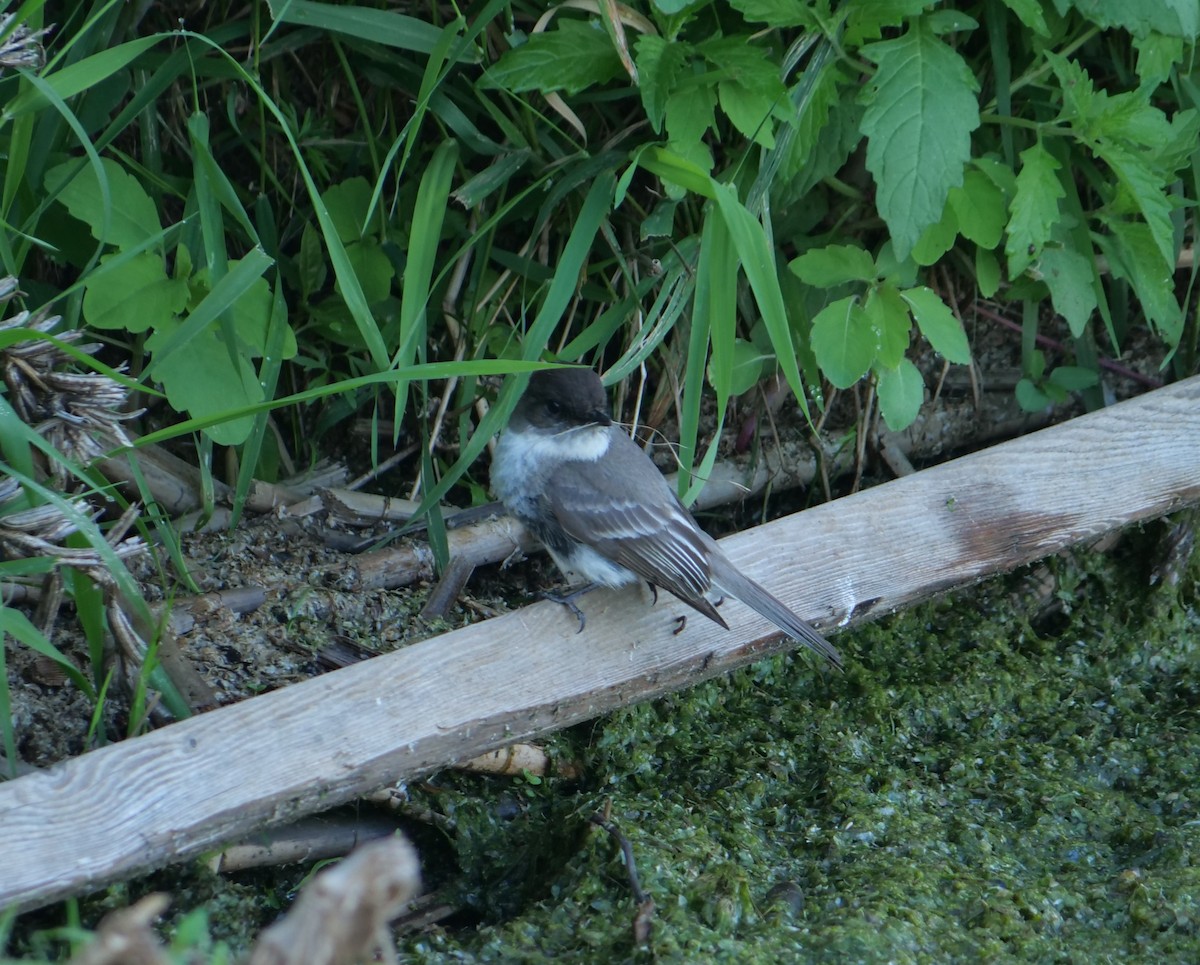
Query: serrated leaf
(901, 392)
(134, 297)
(938, 324)
(739, 60)
(1148, 193)
(659, 63)
(1133, 256)
(132, 218)
(690, 114)
(1068, 275)
(570, 58)
(1034, 209)
(888, 316)
(921, 110)
(834, 265)
(1176, 18)
(979, 207)
(1156, 56)
(843, 342)
(865, 21)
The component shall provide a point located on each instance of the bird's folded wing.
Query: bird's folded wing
(655, 539)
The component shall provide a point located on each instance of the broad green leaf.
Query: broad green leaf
(1030, 397)
(938, 324)
(937, 239)
(250, 314)
(921, 110)
(659, 63)
(574, 56)
(132, 219)
(843, 342)
(1069, 276)
(1074, 378)
(887, 314)
(240, 279)
(134, 297)
(749, 366)
(207, 381)
(834, 265)
(901, 392)
(749, 110)
(1034, 210)
(372, 268)
(987, 272)
(348, 203)
(979, 206)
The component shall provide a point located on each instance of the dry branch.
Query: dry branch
(308, 747)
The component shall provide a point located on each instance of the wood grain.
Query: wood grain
(131, 807)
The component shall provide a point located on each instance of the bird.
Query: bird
(605, 513)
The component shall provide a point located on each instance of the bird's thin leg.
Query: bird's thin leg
(568, 600)
(654, 592)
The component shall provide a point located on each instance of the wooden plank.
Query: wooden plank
(130, 807)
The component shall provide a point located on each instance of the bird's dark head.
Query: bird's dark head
(559, 399)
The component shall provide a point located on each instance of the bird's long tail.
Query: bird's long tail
(729, 580)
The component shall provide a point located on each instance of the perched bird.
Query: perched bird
(603, 510)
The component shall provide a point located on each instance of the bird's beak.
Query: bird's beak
(600, 417)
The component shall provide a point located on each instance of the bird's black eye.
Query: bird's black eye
(553, 407)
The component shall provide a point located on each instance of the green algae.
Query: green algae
(981, 785)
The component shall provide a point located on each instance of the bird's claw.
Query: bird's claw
(568, 600)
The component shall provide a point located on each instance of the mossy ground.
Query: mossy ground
(985, 783)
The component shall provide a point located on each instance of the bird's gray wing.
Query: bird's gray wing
(625, 510)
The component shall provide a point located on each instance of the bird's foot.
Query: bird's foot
(568, 600)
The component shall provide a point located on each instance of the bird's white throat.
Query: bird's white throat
(525, 458)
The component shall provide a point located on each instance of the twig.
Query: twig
(642, 921)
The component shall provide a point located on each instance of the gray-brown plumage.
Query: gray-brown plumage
(604, 511)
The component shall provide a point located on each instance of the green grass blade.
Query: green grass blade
(758, 262)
